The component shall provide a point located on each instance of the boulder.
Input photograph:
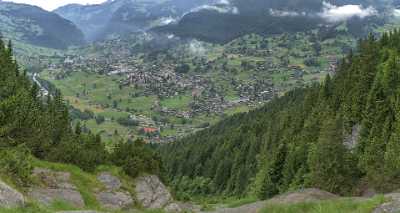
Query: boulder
(47, 196)
(9, 197)
(53, 179)
(114, 200)
(56, 186)
(152, 193)
(173, 207)
(110, 182)
(113, 196)
(393, 206)
(301, 196)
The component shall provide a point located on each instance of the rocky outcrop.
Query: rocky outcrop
(113, 196)
(393, 206)
(9, 197)
(109, 181)
(301, 196)
(56, 186)
(115, 200)
(151, 193)
(351, 140)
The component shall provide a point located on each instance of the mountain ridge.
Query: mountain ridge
(33, 25)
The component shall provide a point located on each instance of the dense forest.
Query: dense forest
(342, 135)
(32, 125)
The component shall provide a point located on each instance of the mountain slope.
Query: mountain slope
(340, 136)
(120, 17)
(35, 26)
(223, 22)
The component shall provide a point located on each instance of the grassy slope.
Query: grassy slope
(86, 184)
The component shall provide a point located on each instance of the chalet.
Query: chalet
(149, 130)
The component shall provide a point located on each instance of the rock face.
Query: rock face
(56, 187)
(113, 196)
(109, 181)
(393, 206)
(151, 193)
(351, 140)
(305, 195)
(9, 197)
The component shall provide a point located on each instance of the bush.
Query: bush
(16, 163)
(136, 158)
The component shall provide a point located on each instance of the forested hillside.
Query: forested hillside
(31, 124)
(341, 136)
(33, 25)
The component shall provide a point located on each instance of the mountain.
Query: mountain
(32, 25)
(228, 20)
(341, 136)
(120, 17)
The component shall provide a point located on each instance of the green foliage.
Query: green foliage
(330, 163)
(341, 205)
(135, 158)
(15, 163)
(301, 139)
(31, 124)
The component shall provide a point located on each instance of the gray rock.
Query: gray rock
(52, 179)
(10, 197)
(111, 182)
(301, 196)
(47, 196)
(113, 196)
(351, 140)
(390, 207)
(393, 196)
(115, 200)
(151, 193)
(173, 207)
(56, 186)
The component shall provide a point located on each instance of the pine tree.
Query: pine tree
(329, 161)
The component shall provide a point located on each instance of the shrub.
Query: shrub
(16, 163)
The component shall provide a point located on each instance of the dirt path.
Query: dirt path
(249, 208)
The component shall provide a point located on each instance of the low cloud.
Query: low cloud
(333, 13)
(196, 47)
(396, 12)
(222, 6)
(167, 20)
(218, 8)
(286, 13)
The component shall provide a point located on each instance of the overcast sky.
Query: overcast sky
(53, 4)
